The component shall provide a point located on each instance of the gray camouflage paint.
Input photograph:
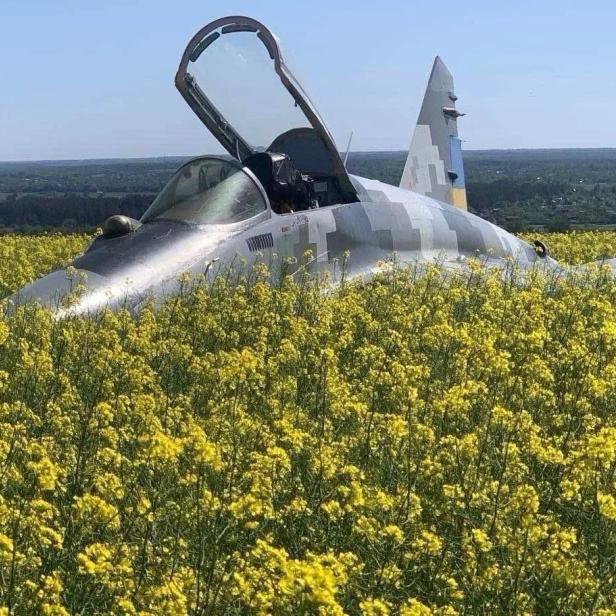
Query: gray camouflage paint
(388, 221)
(430, 158)
(384, 221)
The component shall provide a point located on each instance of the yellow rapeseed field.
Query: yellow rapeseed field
(415, 445)
(577, 246)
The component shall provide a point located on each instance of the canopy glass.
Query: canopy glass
(208, 191)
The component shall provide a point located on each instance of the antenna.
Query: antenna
(348, 149)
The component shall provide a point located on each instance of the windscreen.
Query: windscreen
(236, 74)
(208, 191)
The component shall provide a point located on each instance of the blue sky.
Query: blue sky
(91, 79)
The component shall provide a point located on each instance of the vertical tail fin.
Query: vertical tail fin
(434, 164)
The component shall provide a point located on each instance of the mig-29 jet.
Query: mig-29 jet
(283, 189)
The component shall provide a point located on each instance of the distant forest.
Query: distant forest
(70, 212)
(517, 189)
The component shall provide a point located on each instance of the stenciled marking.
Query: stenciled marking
(260, 242)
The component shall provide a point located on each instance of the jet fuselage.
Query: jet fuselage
(149, 262)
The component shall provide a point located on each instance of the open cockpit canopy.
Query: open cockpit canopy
(234, 78)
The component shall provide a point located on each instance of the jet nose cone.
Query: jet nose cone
(67, 291)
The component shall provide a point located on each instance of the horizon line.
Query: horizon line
(183, 156)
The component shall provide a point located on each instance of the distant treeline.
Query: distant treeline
(69, 212)
(483, 195)
(521, 189)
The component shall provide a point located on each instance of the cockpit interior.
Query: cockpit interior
(296, 172)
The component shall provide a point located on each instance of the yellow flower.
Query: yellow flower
(332, 509)
(96, 560)
(91, 509)
(607, 505)
(6, 549)
(481, 540)
(46, 473)
(413, 607)
(427, 542)
(374, 607)
(393, 533)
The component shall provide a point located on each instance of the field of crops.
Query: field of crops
(417, 445)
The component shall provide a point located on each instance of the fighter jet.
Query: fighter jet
(283, 191)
